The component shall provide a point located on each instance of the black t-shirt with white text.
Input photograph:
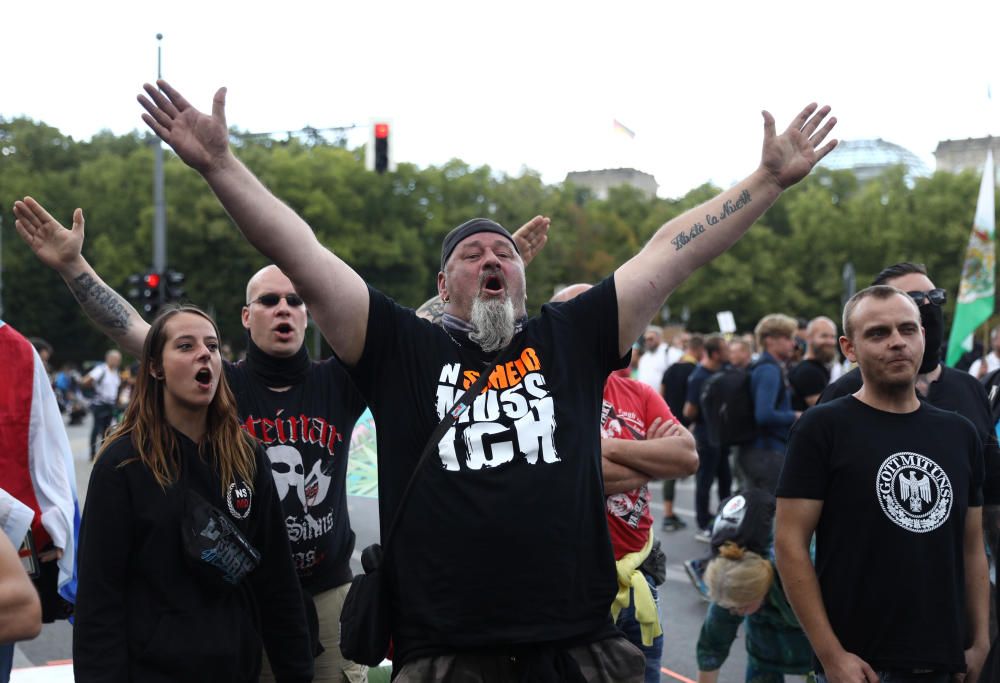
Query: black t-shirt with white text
(954, 391)
(890, 538)
(306, 433)
(503, 540)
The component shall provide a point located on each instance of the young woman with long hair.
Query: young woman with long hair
(184, 562)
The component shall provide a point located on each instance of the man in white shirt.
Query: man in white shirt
(105, 381)
(675, 351)
(653, 361)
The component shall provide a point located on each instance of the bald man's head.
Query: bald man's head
(571, 292)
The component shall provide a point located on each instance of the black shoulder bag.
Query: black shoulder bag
(215, 548)
(365, 628)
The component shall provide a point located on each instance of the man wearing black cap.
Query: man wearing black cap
(502, 567)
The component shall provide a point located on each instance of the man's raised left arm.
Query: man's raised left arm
(700, 234)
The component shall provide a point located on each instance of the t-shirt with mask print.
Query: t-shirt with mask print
(306, 433)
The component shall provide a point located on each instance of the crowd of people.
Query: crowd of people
(215, 543)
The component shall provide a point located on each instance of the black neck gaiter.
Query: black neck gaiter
(932, 318)
(274, 371)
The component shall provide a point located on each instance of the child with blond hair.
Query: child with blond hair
(745, 589)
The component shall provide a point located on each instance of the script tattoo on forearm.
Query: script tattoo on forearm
(729, 207)
(104, 306)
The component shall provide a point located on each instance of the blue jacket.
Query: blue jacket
(772, 404)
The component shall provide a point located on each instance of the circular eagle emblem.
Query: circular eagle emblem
(914, 492)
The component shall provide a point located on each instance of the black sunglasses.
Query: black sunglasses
(271, 300)
(937, 296)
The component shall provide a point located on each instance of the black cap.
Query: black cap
(471, 227)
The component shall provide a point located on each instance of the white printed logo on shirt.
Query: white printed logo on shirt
(515, 393)
(914, 492)
(238, 498)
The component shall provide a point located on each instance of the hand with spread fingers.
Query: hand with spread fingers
(54, 245)
(789, 157)
(201, 140)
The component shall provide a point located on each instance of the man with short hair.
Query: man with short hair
(759, 461)
(653, 361)
(712, 462)
(772, 404)
(105, 381)
(990, 361)
(740, 353)
(937, 384)
(506, 570)
(886, 483)
(812, 374)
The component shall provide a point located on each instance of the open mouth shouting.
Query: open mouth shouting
(204, 379)
(284, 332)
(492, 283)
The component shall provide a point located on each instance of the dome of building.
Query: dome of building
(870, 158)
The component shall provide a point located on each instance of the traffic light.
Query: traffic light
(175, 282)
(381, 147)
(134, 280)
(149, 296)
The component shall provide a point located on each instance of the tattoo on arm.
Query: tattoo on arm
(104, 306)
(432, 309)
(728, 208)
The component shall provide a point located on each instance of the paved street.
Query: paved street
(680, 606)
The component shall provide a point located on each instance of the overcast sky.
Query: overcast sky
(523, 84)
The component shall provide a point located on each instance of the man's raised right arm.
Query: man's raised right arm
(62, 250)
(336, 295)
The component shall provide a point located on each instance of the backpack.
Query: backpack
(726, 404)
(727, 408)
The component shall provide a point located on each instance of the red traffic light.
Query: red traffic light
(152, 280)
(381, 131)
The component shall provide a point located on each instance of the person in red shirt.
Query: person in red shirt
(641, 441)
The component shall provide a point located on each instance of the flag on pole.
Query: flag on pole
(977, 293)
(622, 128)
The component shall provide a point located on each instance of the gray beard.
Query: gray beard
(494, 323)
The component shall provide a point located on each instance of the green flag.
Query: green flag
(978, 289)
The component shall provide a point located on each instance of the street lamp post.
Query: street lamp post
(159, 204)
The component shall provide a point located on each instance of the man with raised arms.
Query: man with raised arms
(503, 564)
